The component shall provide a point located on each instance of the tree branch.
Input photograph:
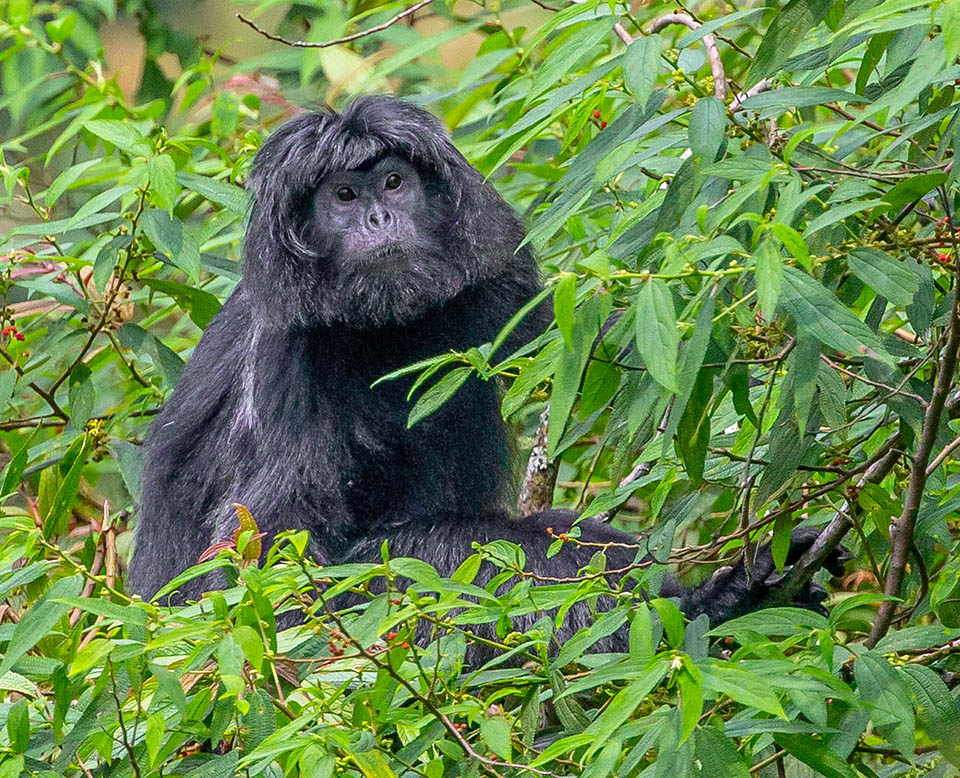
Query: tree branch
(713, 52)
(345, 39)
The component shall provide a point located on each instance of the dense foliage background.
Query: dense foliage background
(755, 202)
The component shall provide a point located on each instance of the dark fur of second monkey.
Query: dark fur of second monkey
(275, 408)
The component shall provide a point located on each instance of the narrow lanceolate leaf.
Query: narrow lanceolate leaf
(641, 65)
(718, 755)
(707, 123)
(787, 30)
(39, 620)
(438, 394)
(886, 275)
(564, 299)
(657, 336)
(768, 277)
(950, 24)
(824, 317)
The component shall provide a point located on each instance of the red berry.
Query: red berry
(603, 125)
(943, 258)
(596, 113)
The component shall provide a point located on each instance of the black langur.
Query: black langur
(372, 244)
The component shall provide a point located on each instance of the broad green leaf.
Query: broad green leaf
(163, 181)
(738, 684)
(708, 121)
(123, 135)
(768, 278)
(718, 755)
(626, 701)
(495, 731)
(656, 332)
(641, 66)
(821, 313)
(175, 240)
(929, 62)
(773, 622)
(884, 274)
(938, 711)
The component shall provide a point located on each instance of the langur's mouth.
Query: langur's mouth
(387, 253)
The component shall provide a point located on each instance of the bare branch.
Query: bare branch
(713, 53)
(337, 41)
(760, 86)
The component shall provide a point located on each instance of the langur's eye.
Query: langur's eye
(345, 194)
(393, 181)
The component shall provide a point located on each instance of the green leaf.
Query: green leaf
(936, 708)
(230, 196)
(431, 400)
(738, 684)
(216, 767)
(176, 240)
(39, 620)
(657, 334)
(821, 313)
(928, 63)
(122, 614)
(162, 172)
(54, 522)
(708, 120)
(768, 277)
(793, 97)
(794, 243)
(373, 764)
(96, 205)
(626, 701)
(18, 726)
(786, 31)
(718, 755)
(564, 301)
(814, 753)
(886, 275)
(773, 622)
(641, 65)
(950, 24)
(495, 731)
(61, 28)
(198, 303)
(691, 701)
(67, 179)
(123, 135)
(165, 359)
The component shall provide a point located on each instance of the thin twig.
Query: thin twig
(938, 460)
(337, 41)
(892, 389)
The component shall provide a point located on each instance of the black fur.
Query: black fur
(275, 409)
